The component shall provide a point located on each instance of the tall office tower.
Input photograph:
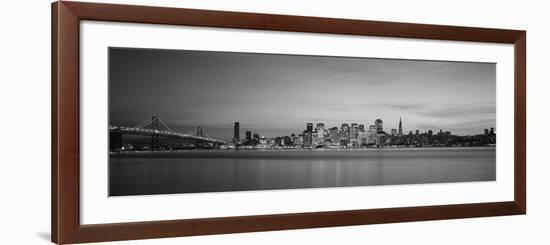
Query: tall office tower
(256, 138)
(236, 133)
(371, 135)
(309, 127)
(400, 127)
(320, 127)
(344, 127)
(354, 130)
(378, 123)
(354, 134)
(333, 134)
(248, 136)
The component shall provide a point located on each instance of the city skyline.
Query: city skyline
(277, 94)
(378, 125)
(242, 130)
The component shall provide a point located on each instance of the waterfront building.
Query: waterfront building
(308, 135)
(344, 128)
(379, 125)
(362, 138)
(236, 133)
(320, 127)
(255, 138)
(263, 141)
(371, 135)
(394, 132)
(333, 136)
(280, 141)
(380, 140)
(298, 140)
(354, 134)
(309, 127)
(319, 138)
(343, 135)
(248, 137)
(400, 127)
(307, 139)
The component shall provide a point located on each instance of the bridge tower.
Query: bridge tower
(155, 138)
(199, 132)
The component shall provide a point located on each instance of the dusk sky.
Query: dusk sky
(276, 95)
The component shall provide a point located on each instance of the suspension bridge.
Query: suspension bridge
(156, 129)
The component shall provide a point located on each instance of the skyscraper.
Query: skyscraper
(371, 135)
(248, 135)
(344, 127)
(320, 126)
(400, 127)
(320, 134)
(354, 134)
(308, 135)
(309, 127)
(255, 138)
(378, 123)
(236, 133)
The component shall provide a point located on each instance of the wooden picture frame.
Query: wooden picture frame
(65, 172)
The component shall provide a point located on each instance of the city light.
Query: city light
(356, 135)
(314, 136)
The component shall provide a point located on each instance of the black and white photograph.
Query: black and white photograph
(183, 121)
(275, 122)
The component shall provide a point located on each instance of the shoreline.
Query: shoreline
(319, 150)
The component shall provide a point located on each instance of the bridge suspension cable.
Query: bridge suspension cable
(166, 126)
(150, 127)
(199, 131)
(143, 124)
(204, 133)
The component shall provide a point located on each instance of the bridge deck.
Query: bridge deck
(162, 133)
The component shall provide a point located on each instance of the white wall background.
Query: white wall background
(25, 120)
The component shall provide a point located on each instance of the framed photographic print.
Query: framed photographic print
(176, 122)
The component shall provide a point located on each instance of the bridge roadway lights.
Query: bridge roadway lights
(150, 128)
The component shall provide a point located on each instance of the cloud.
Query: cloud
(458, 110)
(416, 106)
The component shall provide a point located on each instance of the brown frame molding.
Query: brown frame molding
(66, 17)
